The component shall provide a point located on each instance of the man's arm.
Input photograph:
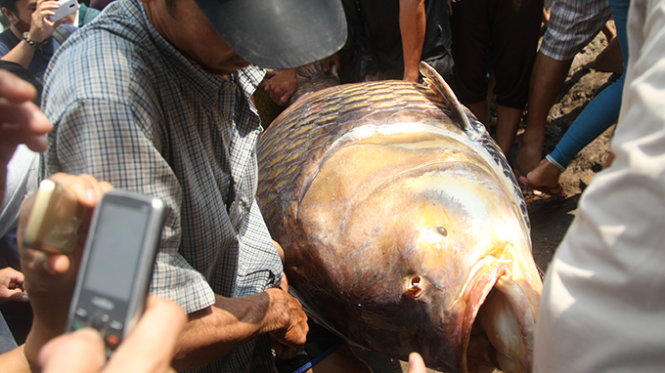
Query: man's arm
(412, 24)
(220, 328)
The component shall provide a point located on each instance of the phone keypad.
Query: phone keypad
(110, 329)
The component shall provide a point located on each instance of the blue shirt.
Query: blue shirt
(42, 55)
(130, 109)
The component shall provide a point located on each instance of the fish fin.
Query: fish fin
(468, 123)
(455, 109)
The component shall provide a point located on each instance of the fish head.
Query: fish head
(415, 241)
(466, 259)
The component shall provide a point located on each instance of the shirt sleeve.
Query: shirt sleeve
(126, 147)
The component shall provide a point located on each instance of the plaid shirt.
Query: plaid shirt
(573, 24)
(130, 109)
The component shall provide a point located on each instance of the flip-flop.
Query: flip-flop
(539, 191)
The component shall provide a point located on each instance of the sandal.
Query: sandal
(540, 191)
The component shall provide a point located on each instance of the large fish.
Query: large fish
(402, 224)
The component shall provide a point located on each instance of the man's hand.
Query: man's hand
(11, 286)
(291, 335)
(49, 279)
(41, 27)
(21, 121)
(148, 348)
(281, 85)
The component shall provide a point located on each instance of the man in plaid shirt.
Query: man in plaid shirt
(155, 96)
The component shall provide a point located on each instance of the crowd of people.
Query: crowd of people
(155, 96)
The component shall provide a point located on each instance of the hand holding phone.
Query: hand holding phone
(50, 269)
(117, 263)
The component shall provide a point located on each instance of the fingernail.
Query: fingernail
(91, 195)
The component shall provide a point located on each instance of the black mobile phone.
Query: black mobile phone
(117, 264)
(55, 219)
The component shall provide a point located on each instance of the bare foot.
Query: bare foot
(544, 179)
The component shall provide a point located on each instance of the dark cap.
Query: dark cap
(278, 34)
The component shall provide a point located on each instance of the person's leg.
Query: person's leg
(603, 110)
(470, 50)
(512, 65)
(481, 110)
(546, 82)
(610, 59)
(508, 119)
(573, 24)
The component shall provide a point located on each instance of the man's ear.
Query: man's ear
(11, 17)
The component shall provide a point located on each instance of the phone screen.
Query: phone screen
(115, 252)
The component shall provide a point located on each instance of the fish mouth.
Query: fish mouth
(499, 320)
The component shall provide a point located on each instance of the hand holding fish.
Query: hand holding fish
(289, 322)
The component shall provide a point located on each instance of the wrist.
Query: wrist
(38, 336)
(274, 318)
(31, 40)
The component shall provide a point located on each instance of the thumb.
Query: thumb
(81, 351)
(416, 363)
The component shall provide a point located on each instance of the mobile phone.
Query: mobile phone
(117, 264)
(66, 8)
(55, 219)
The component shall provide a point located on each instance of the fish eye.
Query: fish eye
(442, 230)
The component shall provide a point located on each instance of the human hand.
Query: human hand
(21, 121)
(49, 278)
(281, 85)
(41, 26)
(149, 347)
(291, 335)
(11, 286)
(416, 363)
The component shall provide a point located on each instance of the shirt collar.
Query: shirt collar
(207, 84)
